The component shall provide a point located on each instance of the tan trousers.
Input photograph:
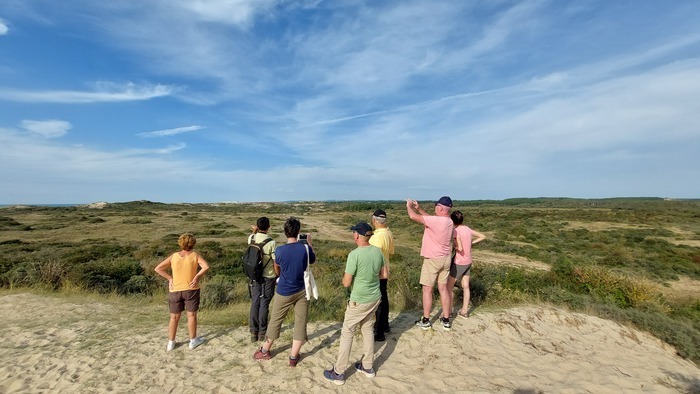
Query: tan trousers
(357, 315)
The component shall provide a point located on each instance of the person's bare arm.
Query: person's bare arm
(161, 269)
(384, 272)
(347, 280)
(414, 211)
(479, 237)
(276, 267)
(458, 243)
(203, 268)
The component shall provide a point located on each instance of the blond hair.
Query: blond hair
(187, 241)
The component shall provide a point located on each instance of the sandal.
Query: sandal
(464, 315)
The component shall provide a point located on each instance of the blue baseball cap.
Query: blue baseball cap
(444, 200)
(362, 228)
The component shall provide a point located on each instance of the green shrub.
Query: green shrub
(92, 250)
(140, 284)
(619, 289)
(105, 276)
(7, 223)
(23, 274)
(220, 290)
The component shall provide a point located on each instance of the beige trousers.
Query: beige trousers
(363, 316)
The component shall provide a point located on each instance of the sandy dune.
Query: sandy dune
(51, 345)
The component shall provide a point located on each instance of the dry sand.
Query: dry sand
(53, 345)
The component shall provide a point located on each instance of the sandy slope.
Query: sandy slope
(51, 345)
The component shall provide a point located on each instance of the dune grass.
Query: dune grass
(612, 258)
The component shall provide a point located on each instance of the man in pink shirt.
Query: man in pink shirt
(436, 250)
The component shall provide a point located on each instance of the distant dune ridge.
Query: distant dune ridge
(50, 344)
(97, 205)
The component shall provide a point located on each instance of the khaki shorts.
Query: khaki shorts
(181, 300)
(435, 269)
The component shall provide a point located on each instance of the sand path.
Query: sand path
(52, 345)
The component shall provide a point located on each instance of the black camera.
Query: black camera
(303, 238)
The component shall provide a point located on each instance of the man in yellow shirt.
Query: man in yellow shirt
(384, 240)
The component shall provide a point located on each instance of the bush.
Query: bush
(106, 276)
(220, 290)
(619, 289)
(140, 284)
(24, 274)
(51, 273)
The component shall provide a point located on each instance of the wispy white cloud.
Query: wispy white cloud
(103, 92)
(378, 99)
(159, 151)
(235, 12)
(3, 27)
(46, 128)
(169, 132)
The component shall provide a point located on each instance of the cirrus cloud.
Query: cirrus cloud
(167, 132)
(103, 92)
(46, 128)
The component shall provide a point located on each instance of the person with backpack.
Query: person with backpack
(291, 260)
(258, 264)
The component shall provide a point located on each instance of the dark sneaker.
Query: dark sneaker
(424, 323)
(253, 337)
(446, 325)
(369, 372)
(260, 355)
(261, 336)
(387, 330)
(379, 338)
(293, 361)
(335, 378)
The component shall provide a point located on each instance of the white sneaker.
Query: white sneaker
(171, 346)
(196, 342)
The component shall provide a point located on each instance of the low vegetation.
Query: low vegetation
(615, 258)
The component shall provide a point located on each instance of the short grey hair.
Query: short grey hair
(379, 219)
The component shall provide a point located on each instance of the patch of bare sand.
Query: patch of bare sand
(683, 288)
(50, 345)
(486, 257)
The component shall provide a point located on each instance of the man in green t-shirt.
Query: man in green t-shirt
(362, 271)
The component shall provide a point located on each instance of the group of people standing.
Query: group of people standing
(366, 274)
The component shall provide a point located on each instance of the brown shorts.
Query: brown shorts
(435, 269)
(181, 300)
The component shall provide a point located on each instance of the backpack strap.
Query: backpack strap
(262, 245)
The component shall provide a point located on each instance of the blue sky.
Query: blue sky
(262, 100)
